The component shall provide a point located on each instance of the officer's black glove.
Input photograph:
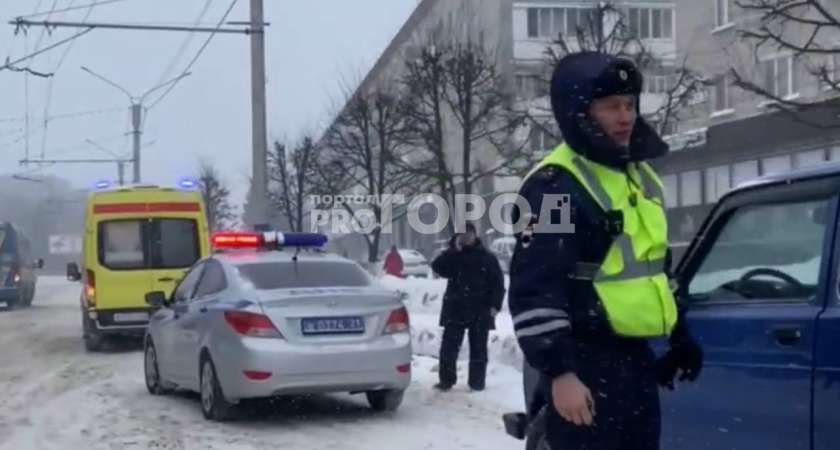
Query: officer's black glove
(688, 357)
(666, 370)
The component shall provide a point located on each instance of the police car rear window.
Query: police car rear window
(304, 274)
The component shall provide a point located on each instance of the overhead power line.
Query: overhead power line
(71, 8)
(197, 55)
(66, 115)
(9, 64)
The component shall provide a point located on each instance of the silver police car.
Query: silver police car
(264, 318)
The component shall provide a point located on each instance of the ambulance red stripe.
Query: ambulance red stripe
(134, 208)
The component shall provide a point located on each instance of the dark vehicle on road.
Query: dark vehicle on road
(761, 281)
(17, 267)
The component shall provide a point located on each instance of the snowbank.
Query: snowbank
(423, 298)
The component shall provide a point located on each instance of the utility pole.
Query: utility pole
(136, 111)
(258, 202)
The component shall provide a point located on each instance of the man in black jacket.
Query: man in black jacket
(586, 337)
(474, 295)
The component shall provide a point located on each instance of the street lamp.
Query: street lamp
(136, 112)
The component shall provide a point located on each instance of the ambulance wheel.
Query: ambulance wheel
(93, 341)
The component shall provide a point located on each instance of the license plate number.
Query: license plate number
(131, 317)
(333, 325)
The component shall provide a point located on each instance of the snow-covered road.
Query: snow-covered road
(54, 395)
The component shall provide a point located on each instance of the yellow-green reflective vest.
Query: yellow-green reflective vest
(631, 282)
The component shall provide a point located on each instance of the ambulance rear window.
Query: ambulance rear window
(148, 244)
(122, 244)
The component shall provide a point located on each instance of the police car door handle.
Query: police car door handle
(787, 335)
(166, 279)
(203, 309)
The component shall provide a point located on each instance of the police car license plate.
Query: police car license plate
(131, 317)
(333, 325)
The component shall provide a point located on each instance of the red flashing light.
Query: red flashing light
(236, 240)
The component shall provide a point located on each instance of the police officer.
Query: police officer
(585, 303)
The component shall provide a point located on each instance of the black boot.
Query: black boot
(478, 375)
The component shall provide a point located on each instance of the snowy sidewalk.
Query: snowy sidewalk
(504, 378)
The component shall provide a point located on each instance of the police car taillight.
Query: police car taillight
(251, 324)
(397, 321)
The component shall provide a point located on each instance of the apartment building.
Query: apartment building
(733, 135)
(485, 21)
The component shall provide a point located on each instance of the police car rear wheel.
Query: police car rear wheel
(389, 400)
(213, 402)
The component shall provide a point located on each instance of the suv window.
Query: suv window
(148, 244)
(304, 274)
(186, 287)
(213, 280)
(764, 252)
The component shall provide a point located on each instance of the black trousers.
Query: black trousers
(627, 410)
(450, 346)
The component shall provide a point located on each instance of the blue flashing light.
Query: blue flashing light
(301, 239)
(187, 183)
(104, 184)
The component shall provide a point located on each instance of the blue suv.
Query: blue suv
(762, 283)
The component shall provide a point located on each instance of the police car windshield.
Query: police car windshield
(304, 274)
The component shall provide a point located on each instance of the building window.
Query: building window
(720, 93)
(551, 22)
(721, 13)
(650, 23)
(691, 193)
(717, 183)
(670, 184)
(808, 159)
(781, 76)
(660, 80)
(531, 86)
(775, 164)
(542, 140)
(744, 171)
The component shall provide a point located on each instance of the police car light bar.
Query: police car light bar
(267, 240)
(236, 240)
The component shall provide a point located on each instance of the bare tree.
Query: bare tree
(808, 29)
(425, 82)
(459, 79)
(363, 152)
(290, 175)
(681, 86)
(216, 197)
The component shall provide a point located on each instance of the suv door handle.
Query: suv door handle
(787, 335)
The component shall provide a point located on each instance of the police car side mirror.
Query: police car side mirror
(38, 264)
(73, 273)
(156, 299)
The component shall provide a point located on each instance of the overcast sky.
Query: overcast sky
(312, 46)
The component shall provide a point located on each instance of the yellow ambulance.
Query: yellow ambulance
(137, 239)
